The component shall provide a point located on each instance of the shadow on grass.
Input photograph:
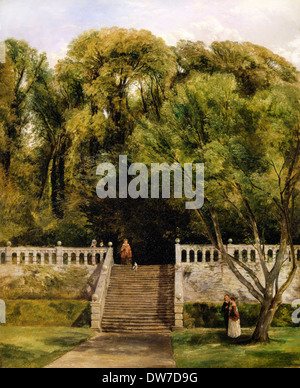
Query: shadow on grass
(15, 356)
(67, 341)
(219, 337)
(84, 318)
(276, 359)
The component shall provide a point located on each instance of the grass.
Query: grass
(36, 347)
(47, 313)
(211, 348)
(45, 282)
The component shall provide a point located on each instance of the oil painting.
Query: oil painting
(149, 186)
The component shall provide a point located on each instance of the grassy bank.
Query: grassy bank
(68, 313)
(44, 282)
(36, 347)
(211, 348)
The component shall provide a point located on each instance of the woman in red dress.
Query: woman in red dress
(126, 253)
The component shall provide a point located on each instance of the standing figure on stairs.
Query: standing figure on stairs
(126, 253)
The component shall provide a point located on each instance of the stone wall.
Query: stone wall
(208, 282)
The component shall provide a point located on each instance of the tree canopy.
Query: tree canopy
(232, 106)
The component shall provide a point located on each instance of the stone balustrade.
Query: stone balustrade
(52, 256)
(98, 299)
(191, 257)
(186, 253)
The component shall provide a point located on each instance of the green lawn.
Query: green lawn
(36, 347)
(211, 348)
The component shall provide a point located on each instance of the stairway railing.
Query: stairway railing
(98, 299)
(58, 255)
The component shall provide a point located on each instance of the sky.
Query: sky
(50, 25)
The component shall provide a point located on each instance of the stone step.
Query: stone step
(140, 280)
(141, 285)
(140, 301)
(136, 331)
(139, 293)
(136, 298)
(144, 267)
(137, 309)
(139, 325)
(142, 305)
(136, 302)
(117, 290)
(139, 313)
(138, 321)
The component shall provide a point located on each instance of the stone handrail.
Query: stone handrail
(98, 299)
(191, 253)
(52, 256)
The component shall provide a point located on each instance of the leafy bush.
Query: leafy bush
(209, 315)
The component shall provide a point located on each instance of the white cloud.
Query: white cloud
(211, 29)
(50, 26)
(171, 38)
(291, 52)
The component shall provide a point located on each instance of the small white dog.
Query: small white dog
(135, 266)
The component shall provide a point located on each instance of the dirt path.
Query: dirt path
(107, 350)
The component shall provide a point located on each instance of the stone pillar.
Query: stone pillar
(26, 257)
(101, 257)
(177, 251)
(8, 253)
(178, 302)
(95, 310)
(59, 254)
(230, 248)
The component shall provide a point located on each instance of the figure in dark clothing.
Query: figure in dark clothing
(225, 310)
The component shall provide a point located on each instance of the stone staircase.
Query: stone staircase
(140, 301)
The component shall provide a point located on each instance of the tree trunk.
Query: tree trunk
(54, 188)
(265, 319)
(6, 160)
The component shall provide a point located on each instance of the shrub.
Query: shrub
(209, 315)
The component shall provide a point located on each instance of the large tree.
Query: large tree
(251, 150)
(26, 65)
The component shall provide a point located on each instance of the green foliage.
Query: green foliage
(212, 348)
(47, 313)
(232, 106)
(209, 315)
